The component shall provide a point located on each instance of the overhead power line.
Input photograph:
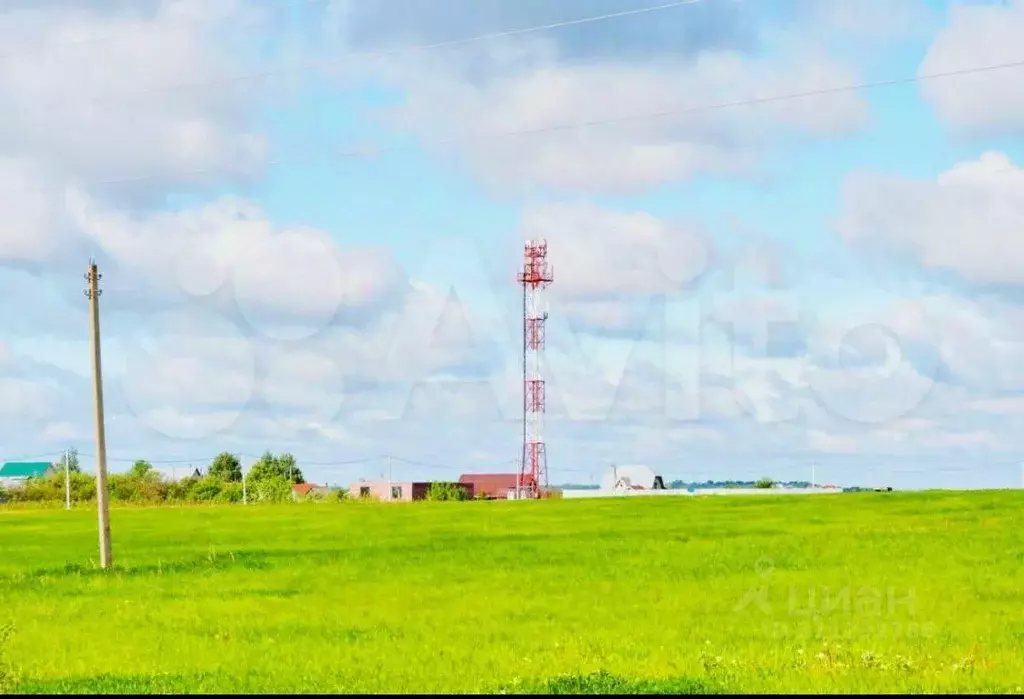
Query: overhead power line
(596, 123)
(112, 37)
(208, 459)
(346, 59)
(928, 466)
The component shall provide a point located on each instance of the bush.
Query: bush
(83, 487)
(35, 490)
(341, 495)
(143, 484)
(271, 489)
(230, 492)
(136, 487)
(446, 491)
(208, 489)
(765, 484)
(181, 491)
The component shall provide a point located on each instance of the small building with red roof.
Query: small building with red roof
(495, 486)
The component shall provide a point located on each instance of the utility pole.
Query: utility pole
(814, 475)
(67, 479)
(245, 494)
(391, 487)
(92, 292)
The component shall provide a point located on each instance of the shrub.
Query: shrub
(445, 492)
(181, 491)
(207, 489)
(230, 492)
(341, 495)
(83, 487)
(765, 484)
(271, 489)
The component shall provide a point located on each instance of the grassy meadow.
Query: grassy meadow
(893, 592)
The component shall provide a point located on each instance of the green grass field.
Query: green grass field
(851, 593)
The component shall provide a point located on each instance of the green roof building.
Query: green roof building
(23, 470)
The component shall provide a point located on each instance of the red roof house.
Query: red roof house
(304, 490)
(494, 486)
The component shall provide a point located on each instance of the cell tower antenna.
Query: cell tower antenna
(535, 277)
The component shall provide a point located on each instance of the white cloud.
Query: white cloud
(526, 90)
(288, 283)
(976, 36)
(880, 19)
(969, 221)
(88, 94)
(25, 400)
(907, 437)
(32, 231)
(603, 253)
(185, 374)
(94, 96)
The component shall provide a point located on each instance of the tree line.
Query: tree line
(269, 480)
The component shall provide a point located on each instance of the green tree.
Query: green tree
(270, 466)
(226, 467)
(142, 470)
(765, 484)
(69, 461)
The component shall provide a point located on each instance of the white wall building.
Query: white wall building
(629, 478)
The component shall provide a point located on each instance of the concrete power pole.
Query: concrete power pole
(67, 479)
(93, 292)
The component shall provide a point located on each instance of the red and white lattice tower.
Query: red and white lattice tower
(535, 277)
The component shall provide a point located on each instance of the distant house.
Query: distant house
(181, 473)
(304, 490)
(396, 491)
(496, 486)
(13, 474)
(632, 478)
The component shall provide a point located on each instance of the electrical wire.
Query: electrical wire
(825, 469)
(594, 123)
(34, 458)
(348, 57)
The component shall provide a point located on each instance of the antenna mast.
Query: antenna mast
(536, 276)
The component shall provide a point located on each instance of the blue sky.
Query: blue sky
(310, 229)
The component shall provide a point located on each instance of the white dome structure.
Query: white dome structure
(629, 478)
